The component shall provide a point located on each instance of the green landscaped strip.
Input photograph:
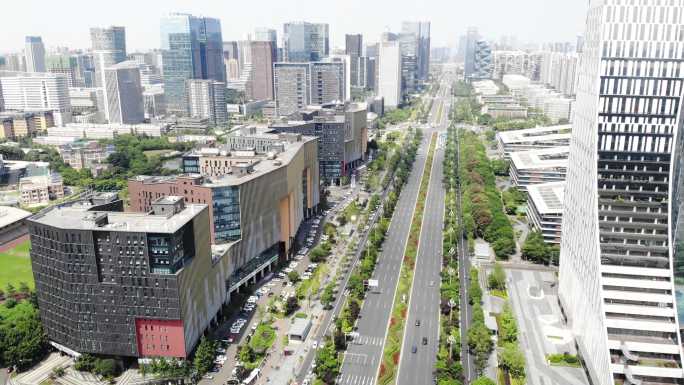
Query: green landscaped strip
(392, 351)
(15, 266)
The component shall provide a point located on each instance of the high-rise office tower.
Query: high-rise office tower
(123, 102)
(207, 100)
(421, 29)
(34, 52)
(483, 65)
(231, 60)
(270, 35)
(372, 66)
(109, 48)
(621, 263)
(304, 42)
(63, 64)
(328, 82)
(15, 62)
(37, 92)
(354, 48)
(192, 48)
(256, 63)
(292, 83)
(409, 61)
(471, 39)
(389, 73)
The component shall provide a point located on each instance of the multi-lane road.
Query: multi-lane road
(362, 361)
(422, 324)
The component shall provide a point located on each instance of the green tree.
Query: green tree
(204, 356)
(106, 368)
(508, 330)
(484, 381)
(291, 305)
(497, 278)
(85, 363)
(328, 296)
(22, 339)
(513, 360)
(293, 276)
(480, 344)
(327, 363)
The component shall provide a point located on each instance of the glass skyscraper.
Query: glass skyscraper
(192, 48)
(304, 42)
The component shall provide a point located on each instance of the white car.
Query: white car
(314, 345)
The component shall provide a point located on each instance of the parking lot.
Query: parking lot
(277, 285)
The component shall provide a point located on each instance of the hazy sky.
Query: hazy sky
(66, 22)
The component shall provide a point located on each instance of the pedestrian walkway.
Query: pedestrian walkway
(74, 377)
(41, 371)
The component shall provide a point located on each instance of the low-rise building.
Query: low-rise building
(12, 224)
(11, 171)
(107, 131)
(533, 139)
(485, 87)
(40, 190)
(545, 209)
(256, 206)
(15, 125)
(85, 154)
(539, 166)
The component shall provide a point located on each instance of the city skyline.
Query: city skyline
(556, 19)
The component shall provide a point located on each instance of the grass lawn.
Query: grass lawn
(499, 293)
(15, 266)
(159, 153)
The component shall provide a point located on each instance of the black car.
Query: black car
(424, 340)
(417, 322)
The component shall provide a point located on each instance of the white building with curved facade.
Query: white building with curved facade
(620, 268)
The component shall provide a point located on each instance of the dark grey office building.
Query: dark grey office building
(342, 136)
(124, 284)
(354, 48)
(421, 29)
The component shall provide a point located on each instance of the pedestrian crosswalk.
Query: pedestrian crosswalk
(368, 340)
(352, 379)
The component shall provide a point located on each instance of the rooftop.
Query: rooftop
(533, 134)
(9, 215)
(77, 216)
(545, 158)
(259, 164)
(547, 197)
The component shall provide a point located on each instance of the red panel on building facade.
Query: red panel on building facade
(160, 338)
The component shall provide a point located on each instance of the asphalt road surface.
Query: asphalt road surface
(418, 367)
(362, 360)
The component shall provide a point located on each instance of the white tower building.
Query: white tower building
(621, 258)
(389, 73)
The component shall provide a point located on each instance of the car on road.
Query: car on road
(417, 322)
(314, 345)
(414, 349)
(425, 341)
